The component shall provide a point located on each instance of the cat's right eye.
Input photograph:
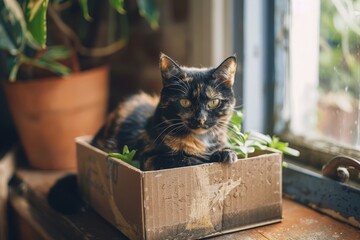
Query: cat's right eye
(185, 103)
(214, 103)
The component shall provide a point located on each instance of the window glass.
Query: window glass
(322, 96)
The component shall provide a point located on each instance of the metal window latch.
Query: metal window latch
(338, 168)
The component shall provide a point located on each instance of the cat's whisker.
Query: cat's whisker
(222, 128)
(186, 85)
(226, 126)
(180, 90)
(238, 107)
(175, 76)
(167, 121)
(176, 128)
(181, 87)
(218, 85)
(228, 129)
(223, 131)
(173, 125)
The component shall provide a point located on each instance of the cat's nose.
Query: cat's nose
(202, 121)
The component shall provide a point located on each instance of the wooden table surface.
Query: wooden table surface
(28, 199)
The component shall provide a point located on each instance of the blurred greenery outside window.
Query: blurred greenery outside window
(339, 72)
(317, 72)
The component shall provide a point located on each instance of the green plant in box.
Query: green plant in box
(249, 142)
(241, 143)
(127, 156)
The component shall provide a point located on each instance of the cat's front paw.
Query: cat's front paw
(226, 156)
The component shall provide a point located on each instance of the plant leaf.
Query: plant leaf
(291, 151)
(125, 150)
(56, 53)
(118, 5)
(35, 16)
(149, 10)
(127, 156)
(237, 118)
(13, 72)
(53, 66)
(250, 149)
(277, 144)
(12, 27)
(241, 136)
(273, 149)
(264, 139)
(255, 144)
(85, 10)
(115, 155)
(119, 156)
(239, 151)
(132, 154)
(285, 164)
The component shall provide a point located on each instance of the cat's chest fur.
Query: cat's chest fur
(190, 144)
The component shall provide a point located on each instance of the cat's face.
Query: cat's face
(197, 99)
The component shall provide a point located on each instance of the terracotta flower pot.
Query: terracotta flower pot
(50, 113)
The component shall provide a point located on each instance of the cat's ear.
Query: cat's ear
(168, 67)
(226, 71)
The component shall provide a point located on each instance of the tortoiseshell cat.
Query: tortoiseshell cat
(186, 126)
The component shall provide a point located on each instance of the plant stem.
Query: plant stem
(90, 52)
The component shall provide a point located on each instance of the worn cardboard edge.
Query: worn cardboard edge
(84, 141)
(142, 205)
(243, 228)
(262, 154)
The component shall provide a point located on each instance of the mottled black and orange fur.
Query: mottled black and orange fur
(167, 134)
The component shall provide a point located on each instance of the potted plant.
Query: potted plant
(52, 64)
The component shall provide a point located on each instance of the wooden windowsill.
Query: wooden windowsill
(28, 200)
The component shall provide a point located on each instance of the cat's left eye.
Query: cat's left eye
(185, 103)
(214, 103)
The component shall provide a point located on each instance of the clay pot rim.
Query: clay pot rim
(58, 78)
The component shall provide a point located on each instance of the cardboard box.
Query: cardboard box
(181, 203)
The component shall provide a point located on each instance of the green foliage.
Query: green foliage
(23, 30)
(85, 10)
(35, 16)
(242, 143)
(47, 60)
(149, 11)
(118, 5)
(50, 60)
(236, 120)
(245, 143)
(12, 27)
(127, 156)
(339, 50)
